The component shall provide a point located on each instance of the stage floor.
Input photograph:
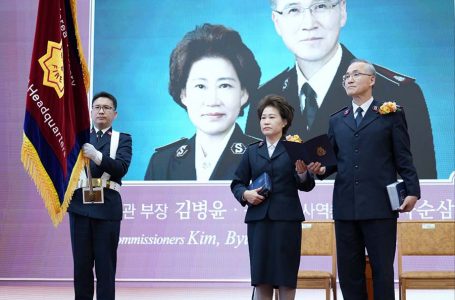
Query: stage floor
(11, 292)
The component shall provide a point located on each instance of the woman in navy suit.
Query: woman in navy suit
(274, 221)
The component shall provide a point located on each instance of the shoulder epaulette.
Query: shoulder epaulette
(392, 76)
(254, 138)
(342, 109)
(171, 144)
(255, 142)
(283, 76)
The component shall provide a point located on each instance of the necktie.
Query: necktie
(99, 133)
(311, 106)
(359, 116)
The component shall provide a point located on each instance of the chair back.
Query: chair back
(318, 238)
(426, 238)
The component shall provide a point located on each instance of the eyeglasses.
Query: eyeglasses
(355, 76)
(318, 9)
(106, 108)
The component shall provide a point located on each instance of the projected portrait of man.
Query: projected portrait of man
(212, 75)
(310, 29)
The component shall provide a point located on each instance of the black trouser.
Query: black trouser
(94, 242)
(379, 238)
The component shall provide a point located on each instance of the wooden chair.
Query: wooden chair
(422, 238)
(318, 239)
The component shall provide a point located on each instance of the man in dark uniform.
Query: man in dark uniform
(176, 161)
(372, 146)
(95, 222)
(313, 85)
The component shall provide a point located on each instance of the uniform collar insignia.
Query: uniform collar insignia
(346, 112)
(182, 151)
(238, 148)
(399, 78)
(261, 143)
(285, 84)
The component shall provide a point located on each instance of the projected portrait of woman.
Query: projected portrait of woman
(212, 75)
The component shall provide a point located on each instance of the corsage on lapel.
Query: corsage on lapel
(294, 138)
(388, 107)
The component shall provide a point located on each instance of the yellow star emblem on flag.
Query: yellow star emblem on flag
(52, 65)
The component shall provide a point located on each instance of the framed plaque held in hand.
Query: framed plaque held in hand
(317, 149)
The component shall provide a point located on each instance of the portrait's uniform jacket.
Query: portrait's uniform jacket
(283, 203)
(112, 207)
(176, 161)
(389, 86)
(369, 158)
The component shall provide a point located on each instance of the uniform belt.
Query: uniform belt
(99, 182)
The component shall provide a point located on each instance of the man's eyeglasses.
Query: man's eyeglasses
(355, 75)
(106, 108)
(317, 9)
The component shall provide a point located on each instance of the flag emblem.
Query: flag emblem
(52, 65)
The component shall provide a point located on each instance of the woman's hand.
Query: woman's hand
(300, 166)
(253, 197)
(316, 168)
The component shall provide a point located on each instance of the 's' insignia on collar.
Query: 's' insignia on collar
(285, 84)
(181, 151)
(238, 148)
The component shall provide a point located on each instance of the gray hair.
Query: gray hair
(369, 66)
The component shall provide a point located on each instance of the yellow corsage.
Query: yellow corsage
(388, 107)
(294, 138)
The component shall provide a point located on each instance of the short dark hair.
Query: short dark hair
(212, 41)
(279, 102)
(106, 95)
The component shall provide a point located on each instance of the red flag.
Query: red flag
(57, 120)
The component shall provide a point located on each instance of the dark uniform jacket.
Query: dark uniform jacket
(369, 158)
(176, 161)
(283, 203)
(112, 207)
(390, 86)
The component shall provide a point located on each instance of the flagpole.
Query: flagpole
(89, 176)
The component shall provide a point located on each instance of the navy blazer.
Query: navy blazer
(389, 86)
(368, 159)
(112, 207)
(283, 203)
(176, 161)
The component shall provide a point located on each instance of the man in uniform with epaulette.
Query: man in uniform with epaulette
(96, 209)
(310, 30)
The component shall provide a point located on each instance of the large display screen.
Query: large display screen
(410, 42)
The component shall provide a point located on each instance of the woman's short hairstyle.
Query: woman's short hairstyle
(285, 109)
(212, 41)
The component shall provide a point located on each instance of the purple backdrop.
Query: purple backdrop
(170, 232)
